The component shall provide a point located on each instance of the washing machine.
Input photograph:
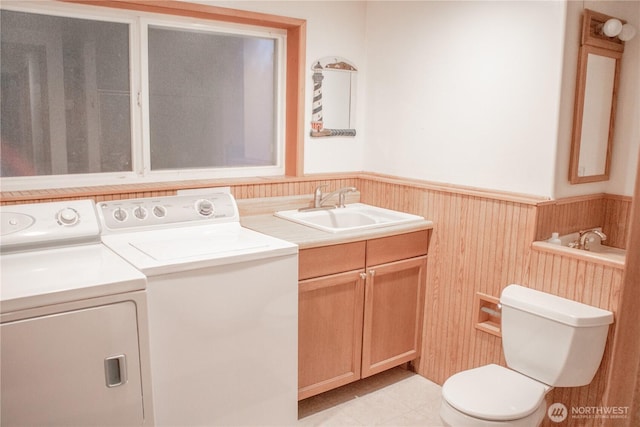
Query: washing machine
(223, 305)
(73, 329)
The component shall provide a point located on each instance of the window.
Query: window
(212, 99)
(65, 95)
(94, 98)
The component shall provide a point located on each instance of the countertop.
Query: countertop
(308, 237)
(616, 261)
(258, 214)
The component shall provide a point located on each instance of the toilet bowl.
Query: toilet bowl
(492, 396)
(548, 341)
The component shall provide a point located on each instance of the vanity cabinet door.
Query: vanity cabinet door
(393, 313)
(329, 332)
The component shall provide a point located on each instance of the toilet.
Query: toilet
(548, 342)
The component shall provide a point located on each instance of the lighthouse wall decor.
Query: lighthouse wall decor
(333, 107)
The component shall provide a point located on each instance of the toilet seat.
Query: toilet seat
(493, 392)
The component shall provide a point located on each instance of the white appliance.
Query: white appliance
(222, 309)
(548, 341)
(74, 344)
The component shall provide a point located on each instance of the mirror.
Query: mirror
(333, 109)
(595, 102)
(594, 114)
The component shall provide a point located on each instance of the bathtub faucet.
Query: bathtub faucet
(585, 235)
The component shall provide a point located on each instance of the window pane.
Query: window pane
(65, 95)
(211, 100)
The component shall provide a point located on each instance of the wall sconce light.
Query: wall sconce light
(614, 27)
(627, 33)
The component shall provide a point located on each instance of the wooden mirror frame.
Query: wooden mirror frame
(593, 43)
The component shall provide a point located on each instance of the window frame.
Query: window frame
(292, 37)
(200, 173)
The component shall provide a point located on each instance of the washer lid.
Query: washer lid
(493, 392)
(174, 250)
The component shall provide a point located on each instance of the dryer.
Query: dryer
(73, 331)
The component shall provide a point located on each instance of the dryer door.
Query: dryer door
(75, 368)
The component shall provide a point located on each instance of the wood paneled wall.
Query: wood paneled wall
(624, 377)
(617, 219)
(241, 189)
(589, 283)
(569, 215)
(481, 242)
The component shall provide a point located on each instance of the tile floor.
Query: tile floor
(393, 398)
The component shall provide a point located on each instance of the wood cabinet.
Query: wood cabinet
(360, 309)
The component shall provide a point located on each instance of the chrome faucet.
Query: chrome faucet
(583, 240)
(319, 200)
(317, 197)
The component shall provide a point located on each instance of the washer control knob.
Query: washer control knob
(68, 217)
(140, 212)
(205, 207)
(120, 215)
(159, 211)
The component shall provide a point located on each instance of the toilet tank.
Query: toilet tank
(552, 339)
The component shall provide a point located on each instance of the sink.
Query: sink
(355, 216)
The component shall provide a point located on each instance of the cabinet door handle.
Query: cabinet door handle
(115, 370)
(372, 273)
(363, 276)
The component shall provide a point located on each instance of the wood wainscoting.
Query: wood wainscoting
(481, 242)
(609, 211)
(590, 283)
(241, 188)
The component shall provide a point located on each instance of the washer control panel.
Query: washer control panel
(47, 224)
(170, 210)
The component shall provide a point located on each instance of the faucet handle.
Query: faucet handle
(317, 195)
(319, 188)
(342, 195)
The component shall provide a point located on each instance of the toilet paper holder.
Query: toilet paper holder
(488, 314)
(492, 312)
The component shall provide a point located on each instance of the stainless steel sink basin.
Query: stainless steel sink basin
(356, 216)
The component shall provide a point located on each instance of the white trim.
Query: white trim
(139, 101)
(115, 178)
(145, 144)
(136, 83)
(69, 10)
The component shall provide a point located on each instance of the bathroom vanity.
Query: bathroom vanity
(360, 309)
(360, 299)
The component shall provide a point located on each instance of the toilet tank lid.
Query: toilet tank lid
(554, 307)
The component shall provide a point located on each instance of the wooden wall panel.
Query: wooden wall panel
(589, 283)
(241, 189)
(478, 245)
(624, 377)
(569, 215)
(617, 219)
